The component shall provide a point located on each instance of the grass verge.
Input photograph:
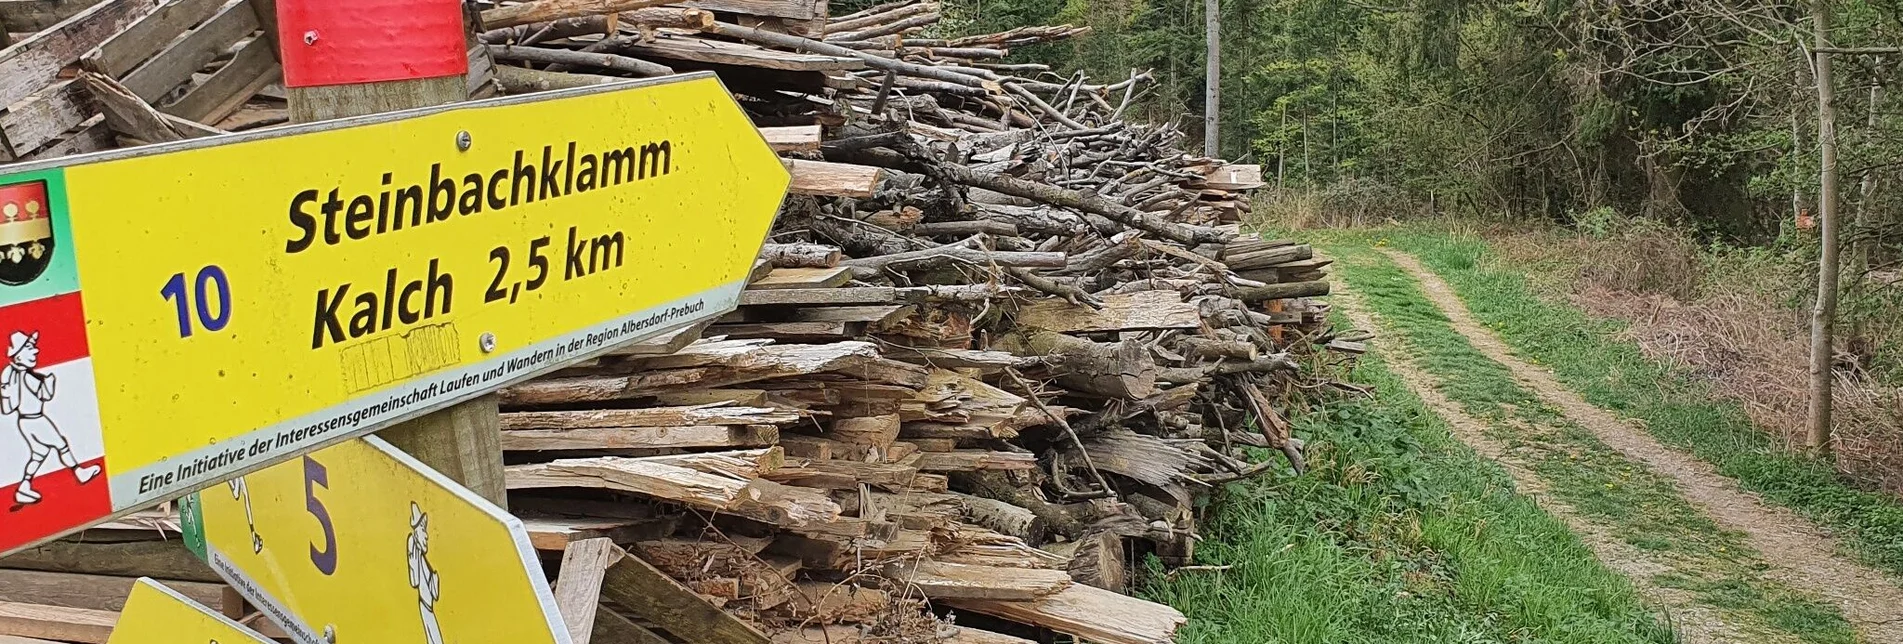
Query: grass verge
(1398, 533)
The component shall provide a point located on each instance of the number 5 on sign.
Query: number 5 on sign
(361, 544)
(155, 614)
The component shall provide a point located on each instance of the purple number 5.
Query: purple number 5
(316, 476)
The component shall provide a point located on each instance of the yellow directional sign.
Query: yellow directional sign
(155, 614)
(358, 543)
(174, 316)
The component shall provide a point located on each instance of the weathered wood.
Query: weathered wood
(547, 10)
(938, 580)
(820, 297)
(968, 460)
(578, 585)
(1141, 311)
(45, 115)
(522, 80)
(894, 14)
(950, 255)
(29, 16)
(714, 481)
(128, 114)
(176, 63)
(797, 43)
(612, 628)
(464, 442)
(1098, 560)
(124, 51)
(1090, 613)
(91, 136)
(1122, 370)
(876, 432)
(1282, 291)
(1003, 517)
(36, 61)
(589, 438)
(826, 179)
(633, 66)
(158, 559)
(795, 9)
(95, 592)
(556, 533)
(646, 417)
(645, 590)
(716, 52)
(786, 278)
(52, 622)
(797, 255)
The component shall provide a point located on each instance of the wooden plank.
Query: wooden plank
(14, 639)
(613, 628)
(736, 54)
(971, 460)
(35, 62)
(795, 9)
(819, 296)
(123, 53)
(92, 136)
(578, 586)
(127, 114)
(646, 417)
(1089, 613)
(665, 343)
(44, 116)
(253, 68)
(793, 331)
(553, 534)
(176, 63)
(525, 440)
(93, 592)
(788, 278)
(656, 597)
(158, 559)
(827, 179)
(29, 16)
(940, 580)
(792, 138)
(867, 314)
(53, 622)
(1140, 311)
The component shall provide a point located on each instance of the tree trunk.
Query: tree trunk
(1212, 89)
(1824, 314)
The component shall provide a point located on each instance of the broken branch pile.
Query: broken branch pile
(999, 343)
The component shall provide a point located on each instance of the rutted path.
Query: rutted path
(1696, 621)
(1799, 554)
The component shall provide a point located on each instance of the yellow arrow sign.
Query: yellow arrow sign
(173, 317)
(358, 543)
(155, 614)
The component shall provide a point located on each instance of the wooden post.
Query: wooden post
(1212, 90)
(464, 441)
(1824, 313)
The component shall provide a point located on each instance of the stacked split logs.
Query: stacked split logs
(1000, 342)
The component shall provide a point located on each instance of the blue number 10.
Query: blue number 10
(208, 277)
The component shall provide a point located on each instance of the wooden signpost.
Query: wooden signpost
(359, 542)
(178, 315)
(155, 614)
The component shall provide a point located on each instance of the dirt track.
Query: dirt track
(1800, 554)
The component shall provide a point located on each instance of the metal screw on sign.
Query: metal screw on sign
(487, 342)
(330, 633)
(310, 37)
(463, 140)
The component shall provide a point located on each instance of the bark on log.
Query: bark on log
(800, 255)
(1281, 291)
(634, 66)
(547, 10)
(1121, 370)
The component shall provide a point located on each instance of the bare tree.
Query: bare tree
(1824, 313)
(1212, 90)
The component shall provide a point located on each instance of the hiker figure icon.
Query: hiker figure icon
(24, 394)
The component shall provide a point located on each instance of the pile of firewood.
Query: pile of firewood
(1000, 342)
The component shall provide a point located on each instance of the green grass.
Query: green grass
(1398, 533)
(1632, 503)
(1586, 355)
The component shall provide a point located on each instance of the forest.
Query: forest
(1701, 113)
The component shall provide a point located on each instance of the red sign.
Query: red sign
(344, 42)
